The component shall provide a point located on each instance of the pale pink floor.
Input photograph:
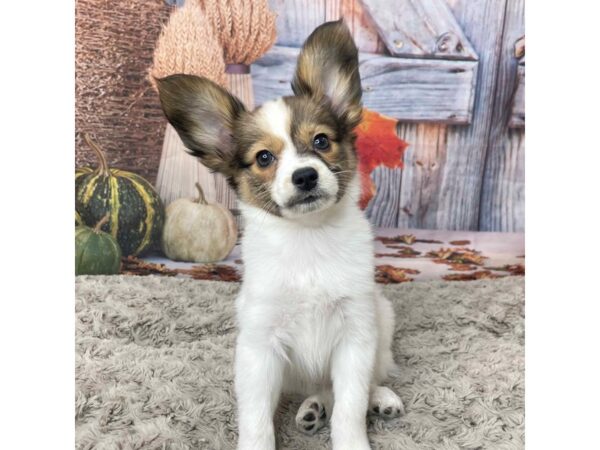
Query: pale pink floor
(500, 249)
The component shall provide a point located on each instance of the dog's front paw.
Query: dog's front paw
(385, 403)
(311, 415)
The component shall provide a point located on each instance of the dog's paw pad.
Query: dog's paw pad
(311, 416)
(385, 403)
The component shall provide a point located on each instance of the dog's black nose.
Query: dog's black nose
(305, 178)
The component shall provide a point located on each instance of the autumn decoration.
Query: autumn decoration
(511, 269)
(387, 274)
(132, 265)
(471, 276)
(377, 144)
(213, 272)
(408, 239)
(136, 213)
(456, 256)
(198, 231)
(96, 252)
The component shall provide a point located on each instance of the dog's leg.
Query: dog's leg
(314, 412)
(384, 361)
(385, 403)
(258, 380)
(351, 372)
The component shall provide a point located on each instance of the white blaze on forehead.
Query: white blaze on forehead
(275, 117)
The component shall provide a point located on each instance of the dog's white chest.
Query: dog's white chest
(307, 264)
(308, 332)
(297, 284)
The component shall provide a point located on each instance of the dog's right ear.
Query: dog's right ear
(203, 113)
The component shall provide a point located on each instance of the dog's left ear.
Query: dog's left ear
(328, 66)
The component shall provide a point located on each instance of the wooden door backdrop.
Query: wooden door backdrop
(451, 71)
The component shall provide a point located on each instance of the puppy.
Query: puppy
(311, 320)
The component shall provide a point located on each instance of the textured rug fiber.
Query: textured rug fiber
(154, 366)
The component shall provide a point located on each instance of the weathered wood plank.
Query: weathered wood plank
(422, 175)
(361, 25)
(503, 193)
(455, 166)
(333, 9)
(407, 197)
(419, 90)
(417, 28)
(456, 197)
(384, 206)
(416, 90)
(296, 19)
(517, 116)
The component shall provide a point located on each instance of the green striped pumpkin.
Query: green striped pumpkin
(135, 209)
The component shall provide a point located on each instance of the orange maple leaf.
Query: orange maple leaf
(377, 144)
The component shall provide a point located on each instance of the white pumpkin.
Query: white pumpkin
(197, 231)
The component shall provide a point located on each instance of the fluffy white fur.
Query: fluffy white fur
(311, 319)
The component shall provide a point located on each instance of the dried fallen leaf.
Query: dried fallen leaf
(470, 257)
(406, 252)
(513, 269)
(478, 275)
(459, 267)
(457, 255)
(461, 243)
(441, 254)
(386, 274)
(130, 265)
(214, 272)
(400, 239)
(389, 255)
(377, 144)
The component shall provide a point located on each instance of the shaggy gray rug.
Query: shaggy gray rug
(154, 366)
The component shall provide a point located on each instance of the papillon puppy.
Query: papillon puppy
(311, 319)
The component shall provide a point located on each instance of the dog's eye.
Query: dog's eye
(264, 158)
(320, 142)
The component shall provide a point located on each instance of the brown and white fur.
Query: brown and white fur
(311, 319)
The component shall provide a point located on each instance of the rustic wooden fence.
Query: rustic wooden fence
(451, 71)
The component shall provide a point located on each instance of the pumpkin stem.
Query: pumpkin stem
(99, 153)
(201, 199)
(101, 223)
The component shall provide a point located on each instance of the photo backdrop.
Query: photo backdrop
(462, 170)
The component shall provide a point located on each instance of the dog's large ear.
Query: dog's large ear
(203, 114)
(328, 66)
